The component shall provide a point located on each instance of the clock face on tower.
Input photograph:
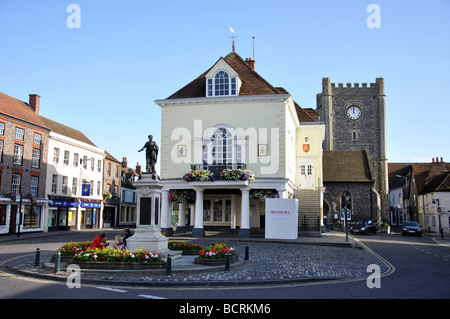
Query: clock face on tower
(354, 112)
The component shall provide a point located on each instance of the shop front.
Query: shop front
(90, 214)
(62, 213)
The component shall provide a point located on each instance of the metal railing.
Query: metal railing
(308, 223)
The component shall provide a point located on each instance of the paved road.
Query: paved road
(420, 268)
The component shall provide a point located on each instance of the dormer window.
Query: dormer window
(222, 84)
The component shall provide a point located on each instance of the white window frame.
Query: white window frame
(211, 148)
(66, 157)
(34, 185)
(37, 138)
(36, 158)
(16, 182)
(19, 134)
(56, 155)
(18, 154)
(231, 88)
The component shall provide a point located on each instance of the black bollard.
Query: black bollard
(169, 265)
(227, 261)
(246, 252)
(58, 261)
(37, 257)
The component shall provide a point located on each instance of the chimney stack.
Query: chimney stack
(34, 102)
(251, 63)
(124, 162)
(138, 168)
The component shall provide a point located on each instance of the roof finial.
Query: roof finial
(233, 37)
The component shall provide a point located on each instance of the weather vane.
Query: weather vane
(234, 36)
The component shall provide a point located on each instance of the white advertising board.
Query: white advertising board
(281, 218)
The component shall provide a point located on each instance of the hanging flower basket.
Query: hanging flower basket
(182, 197)
(262, 194)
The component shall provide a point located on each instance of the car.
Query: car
(363, 227)
(411, 228)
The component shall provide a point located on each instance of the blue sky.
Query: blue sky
(102, 78)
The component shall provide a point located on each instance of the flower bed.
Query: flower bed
(71, 248)
(117, 255)
(186, 247)
(215, 255)
(237, 174)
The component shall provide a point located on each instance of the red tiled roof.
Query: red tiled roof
(20, 110)
(66, 131)
(252, 84)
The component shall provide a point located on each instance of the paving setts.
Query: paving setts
(268, 263)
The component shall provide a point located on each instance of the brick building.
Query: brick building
(23, 163)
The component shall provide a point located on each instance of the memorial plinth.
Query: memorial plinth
(148, 234)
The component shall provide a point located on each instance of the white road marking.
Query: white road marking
(151, 297)
(112, 289)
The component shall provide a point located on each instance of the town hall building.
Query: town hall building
(230, 140)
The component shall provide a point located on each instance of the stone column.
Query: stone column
(192, 219)
(198, 227)
(165, 213)
(181, 228)
(245, 213)
(233, 214)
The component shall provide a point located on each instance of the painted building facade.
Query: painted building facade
(231, 139)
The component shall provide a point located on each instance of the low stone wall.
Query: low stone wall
(119, 265)
(215, 262)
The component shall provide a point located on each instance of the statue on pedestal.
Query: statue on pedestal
(151, 155)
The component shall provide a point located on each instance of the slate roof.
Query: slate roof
(346, 166)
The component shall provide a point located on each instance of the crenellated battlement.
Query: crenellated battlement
(376, 88)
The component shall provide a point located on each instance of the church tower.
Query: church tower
(355, 119)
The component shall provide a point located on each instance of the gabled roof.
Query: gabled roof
(252, 82)
(346, 166)
(66, 131)
(439, 183)
(20, 110)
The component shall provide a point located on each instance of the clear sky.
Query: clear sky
(103, 77)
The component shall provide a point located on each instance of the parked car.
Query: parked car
(411, 228)
(363, 227)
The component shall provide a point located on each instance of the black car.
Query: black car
(363, 227)
(411, 228)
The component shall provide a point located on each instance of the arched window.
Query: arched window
(223, 148)
(221, 83)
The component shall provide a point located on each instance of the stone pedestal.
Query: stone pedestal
(148, 234)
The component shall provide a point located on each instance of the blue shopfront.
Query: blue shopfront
(70, 213)
(62, 212)
(90, 214)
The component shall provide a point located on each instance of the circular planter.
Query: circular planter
(214, 262)
(190, 252)
(63, 259)
(118, 265)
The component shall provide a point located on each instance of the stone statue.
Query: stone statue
(151, 154)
